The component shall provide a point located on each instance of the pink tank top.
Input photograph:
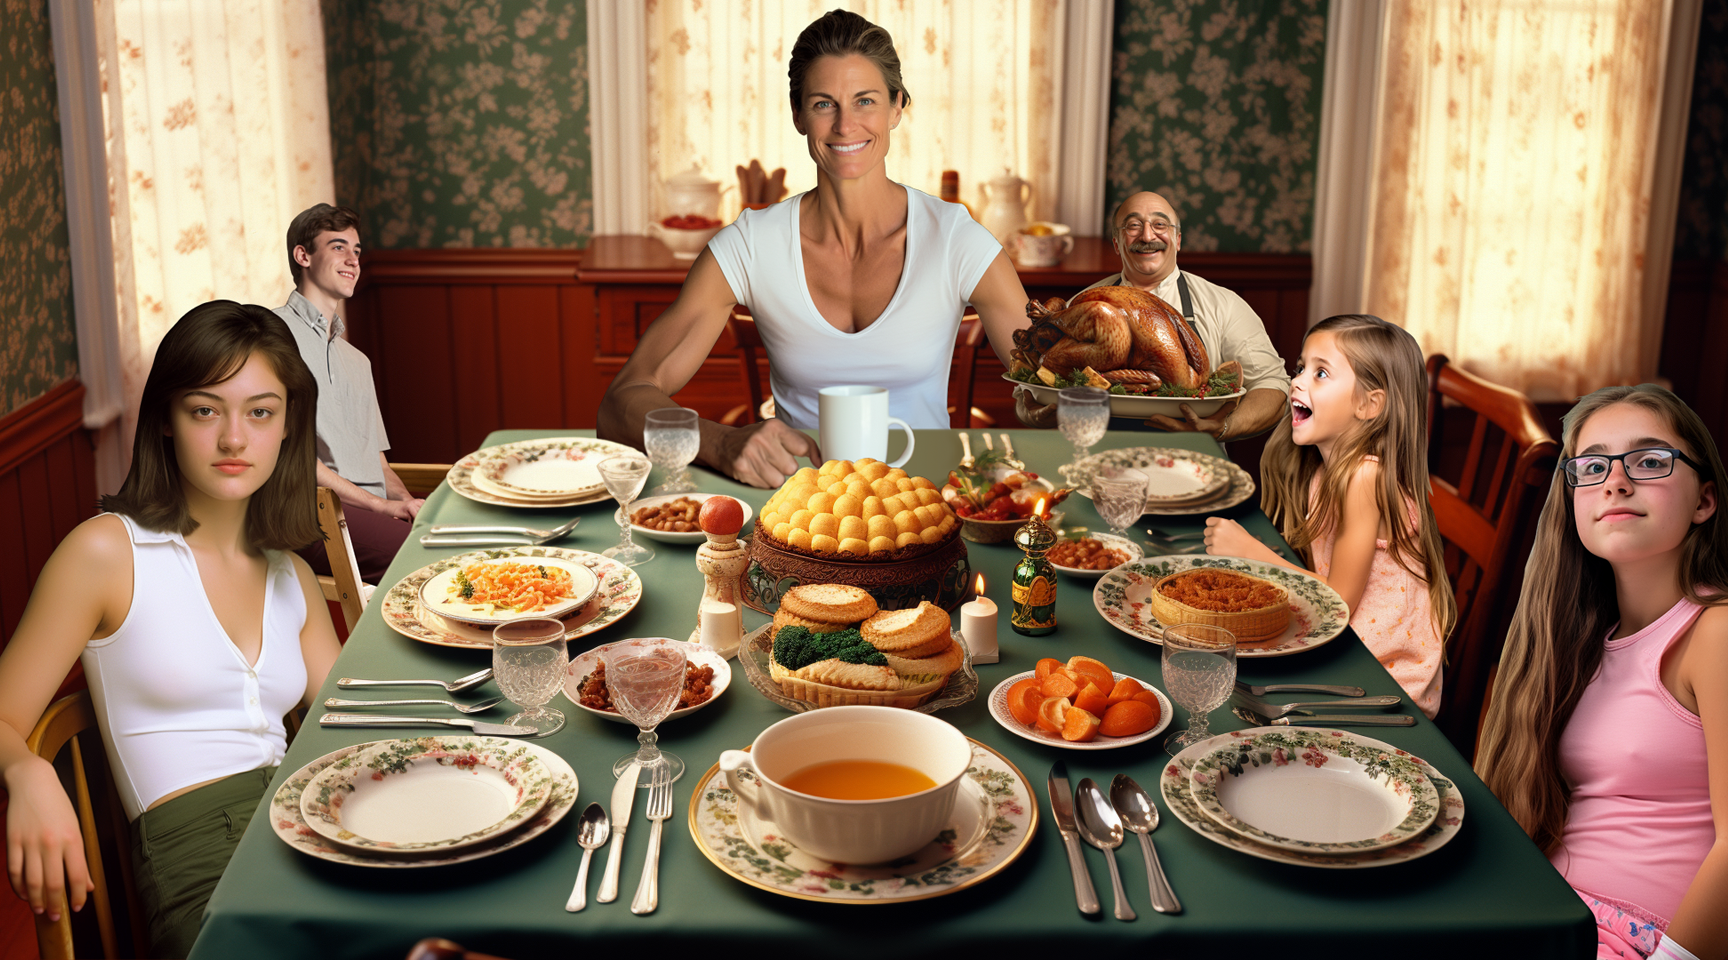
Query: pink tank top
(1639, 824)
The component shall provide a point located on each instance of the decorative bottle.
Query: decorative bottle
(1034, 589)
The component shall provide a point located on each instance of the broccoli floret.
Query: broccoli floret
(796, 648)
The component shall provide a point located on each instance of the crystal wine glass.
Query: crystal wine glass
(1083, 413)
(1120, 497)
(670, 435)
(624, 476)
(645, 677)
(1199, 663)
(528, 661)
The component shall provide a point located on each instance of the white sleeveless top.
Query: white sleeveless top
(176, 701)
(908, 349)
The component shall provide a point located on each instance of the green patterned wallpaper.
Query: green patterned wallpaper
(38, 340)
(1216, 105)
(461, 123)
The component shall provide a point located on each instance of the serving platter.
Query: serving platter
(1140, 408)
(620, 589)
(1309, 791)
(754, 651)
(464, 479)
(1317, 612)
(995, 817)
(688, 536)
(583, 664)
(1226, 484)
(439, 594)
(1174, 785)
(289, 823)
(414, 796)
(1005, 718)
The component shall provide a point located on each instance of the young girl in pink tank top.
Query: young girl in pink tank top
(1607, 731)
(1345, 476)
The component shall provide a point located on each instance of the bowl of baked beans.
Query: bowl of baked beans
(672, 518)
(1092, 555)
(706, 677)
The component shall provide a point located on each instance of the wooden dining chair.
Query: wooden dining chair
(963, 378)
(103, 825)
(1487, 516)
(343, 585)
(421, 478)
(752, 372)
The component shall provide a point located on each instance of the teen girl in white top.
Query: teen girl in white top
(197, 631)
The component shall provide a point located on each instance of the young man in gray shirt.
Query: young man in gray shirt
(324, 256)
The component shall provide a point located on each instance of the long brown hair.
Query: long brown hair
(1554, 646)
(838, 33)
(209, 345)
(1383, 357)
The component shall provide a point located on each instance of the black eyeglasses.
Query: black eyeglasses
(1651, 463)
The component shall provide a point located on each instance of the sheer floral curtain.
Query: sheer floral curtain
(218, 133)
(717, 91)
(1516, 153)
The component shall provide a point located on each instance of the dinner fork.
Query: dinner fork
(659, 808)
(460, 528)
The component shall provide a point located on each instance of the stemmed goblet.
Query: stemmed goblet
(671, 438)
(1083, 414)
(528, 660)
(1120, 497)
(1199, 663)
(624, 476)
(645, 677)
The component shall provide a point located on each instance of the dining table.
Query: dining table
(1488, 891)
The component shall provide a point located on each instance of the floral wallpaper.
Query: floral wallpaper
(38, 343)
(1701, 230)
(461, 123)
(1216, 105)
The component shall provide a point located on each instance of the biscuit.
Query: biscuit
(853, 676)
(942, 664)
(908, 633)
(829, 602)
(786, 618)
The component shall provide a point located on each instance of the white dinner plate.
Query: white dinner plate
(691, 536)
(1112, 541)
(619, 591)
(1002, 715)
(584, 663)
(437, 594)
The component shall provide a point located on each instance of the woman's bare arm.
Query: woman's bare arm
(83, 592)
(1699, 924)
(1001, 304)
(668, 355)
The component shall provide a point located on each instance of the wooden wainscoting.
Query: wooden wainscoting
(1695, 340)
(464, 342)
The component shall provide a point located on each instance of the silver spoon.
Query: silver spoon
(450, 686)
(1140, 815)
(1100, 827)
(480, 707)
(591, 835)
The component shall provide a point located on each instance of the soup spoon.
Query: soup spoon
(590, 836)
(1100, 826)
(1141, 816)
(480, 707)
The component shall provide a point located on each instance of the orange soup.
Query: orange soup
(858, 780)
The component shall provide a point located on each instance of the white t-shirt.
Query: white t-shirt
(908, 349)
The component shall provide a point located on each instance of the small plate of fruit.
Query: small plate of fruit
(1079, 705)
(992, 499)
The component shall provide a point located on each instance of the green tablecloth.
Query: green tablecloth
(1489, 891)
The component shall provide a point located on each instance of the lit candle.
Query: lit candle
(722, 627)
(978, 626)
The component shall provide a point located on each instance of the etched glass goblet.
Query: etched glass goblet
(671, 438)
(645, 677)
(528, 661)
(1199, 663)
(624, 476)
(1083, 414)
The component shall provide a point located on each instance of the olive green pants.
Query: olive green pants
(180, 849)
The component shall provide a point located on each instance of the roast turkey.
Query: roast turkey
(1125, 334)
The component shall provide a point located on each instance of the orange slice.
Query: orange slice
(1024, 699)
(1092, 700)
(1147, 696)
(1125, 689)
(1088, 667)
(1052, 713)
(1128, 718)
(1046, 666)
(1058, 685)
(1078, 726)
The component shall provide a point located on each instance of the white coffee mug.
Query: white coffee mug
(1044, 249)
(854, 424)
(853, 831)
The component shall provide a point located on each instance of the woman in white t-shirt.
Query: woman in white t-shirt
(861, 280)
(197, 628)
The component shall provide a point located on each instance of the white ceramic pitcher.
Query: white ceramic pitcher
(1005, 198)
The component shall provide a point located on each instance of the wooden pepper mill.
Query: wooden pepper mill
(722, 560)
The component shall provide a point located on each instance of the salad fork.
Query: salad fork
(659, 808)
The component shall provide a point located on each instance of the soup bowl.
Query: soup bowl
(852, 831)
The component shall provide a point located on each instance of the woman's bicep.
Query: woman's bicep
(319, 647)
(1000, 300)
(673, 347)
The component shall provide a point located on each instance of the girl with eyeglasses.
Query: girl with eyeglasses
(1607, 733)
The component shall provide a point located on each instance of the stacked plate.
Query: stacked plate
(551, 472)
(1181, 481)
(1313, 797)
(421, 607)
(424, 802)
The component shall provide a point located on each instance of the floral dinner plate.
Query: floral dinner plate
(1317, 612)
(583, 664)
(995, 816)
(1236, 489)
(441, 593)
(1311, 791)
(1174, 784)
(289, 823)
(619, 591)
(467, 478)
(1001, 714)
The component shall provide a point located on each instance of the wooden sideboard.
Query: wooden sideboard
(465, 341)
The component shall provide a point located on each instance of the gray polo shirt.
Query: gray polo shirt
(350, 425)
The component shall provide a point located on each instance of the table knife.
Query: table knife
(495, 539)
(1062, 811)
(623, 798)
(1334, 689)
(478, 726)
